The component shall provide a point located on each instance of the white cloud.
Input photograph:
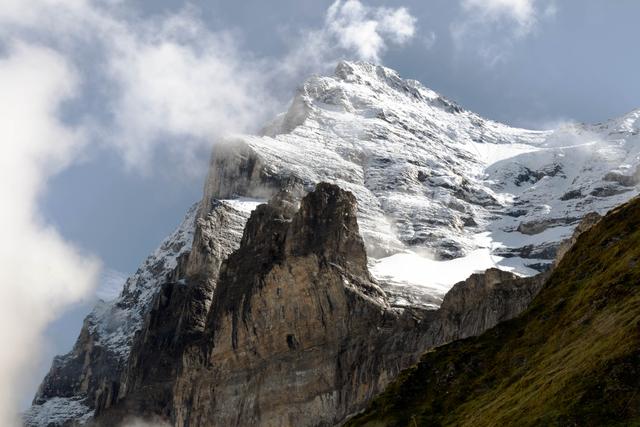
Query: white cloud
(168, 82)
(41, 272)
(14, 12)
(366, 30)
(520, 12)
(350, 30)
(178, 80)
(398, 24)
(492, 27)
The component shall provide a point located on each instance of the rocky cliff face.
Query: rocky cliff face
(298, 332)
(295, 323)
(94, 373)
(481, 302)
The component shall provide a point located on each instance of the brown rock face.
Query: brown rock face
(482, 301)
(297, 334)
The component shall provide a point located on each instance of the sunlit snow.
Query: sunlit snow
(436, 277)
(244, 204)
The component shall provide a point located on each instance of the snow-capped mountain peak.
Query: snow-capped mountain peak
(441, 193)
(436, 182)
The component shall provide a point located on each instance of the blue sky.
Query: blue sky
(113, 107)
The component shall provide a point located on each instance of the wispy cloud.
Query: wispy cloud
(41, 273)
(429, 40)
(492, 27)
(351, 30)
(178, 81)
(366, 31)
(111, 284)
(521, 13)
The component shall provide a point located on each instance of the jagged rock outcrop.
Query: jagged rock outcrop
(482, 301)
(298, 333)
(536, 227)
(294, 324)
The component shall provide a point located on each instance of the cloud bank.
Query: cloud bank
(41, 273)
(366, 31)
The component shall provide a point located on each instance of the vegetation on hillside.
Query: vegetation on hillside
(573, 358)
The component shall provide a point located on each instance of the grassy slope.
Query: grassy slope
(573, 358)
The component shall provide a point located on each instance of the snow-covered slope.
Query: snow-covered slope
(442, 192)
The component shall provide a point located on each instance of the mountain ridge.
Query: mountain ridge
(437, 187)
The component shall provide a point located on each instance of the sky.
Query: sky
(109, 110)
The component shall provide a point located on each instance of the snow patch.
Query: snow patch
(244, 204)
(57, 411)
(436, 277)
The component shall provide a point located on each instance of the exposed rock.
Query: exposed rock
(608, 191)
(482, 301)
(237, 169)
(536, 227)
(587, 222)
(625, 180)
(532, 176)
(542, 251)
(571, 195)
(298, 333)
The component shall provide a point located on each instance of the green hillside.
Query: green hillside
(573, 358)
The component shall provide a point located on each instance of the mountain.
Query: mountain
(439, 194)
(433, 181)
(572, 358)
(298, 332)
